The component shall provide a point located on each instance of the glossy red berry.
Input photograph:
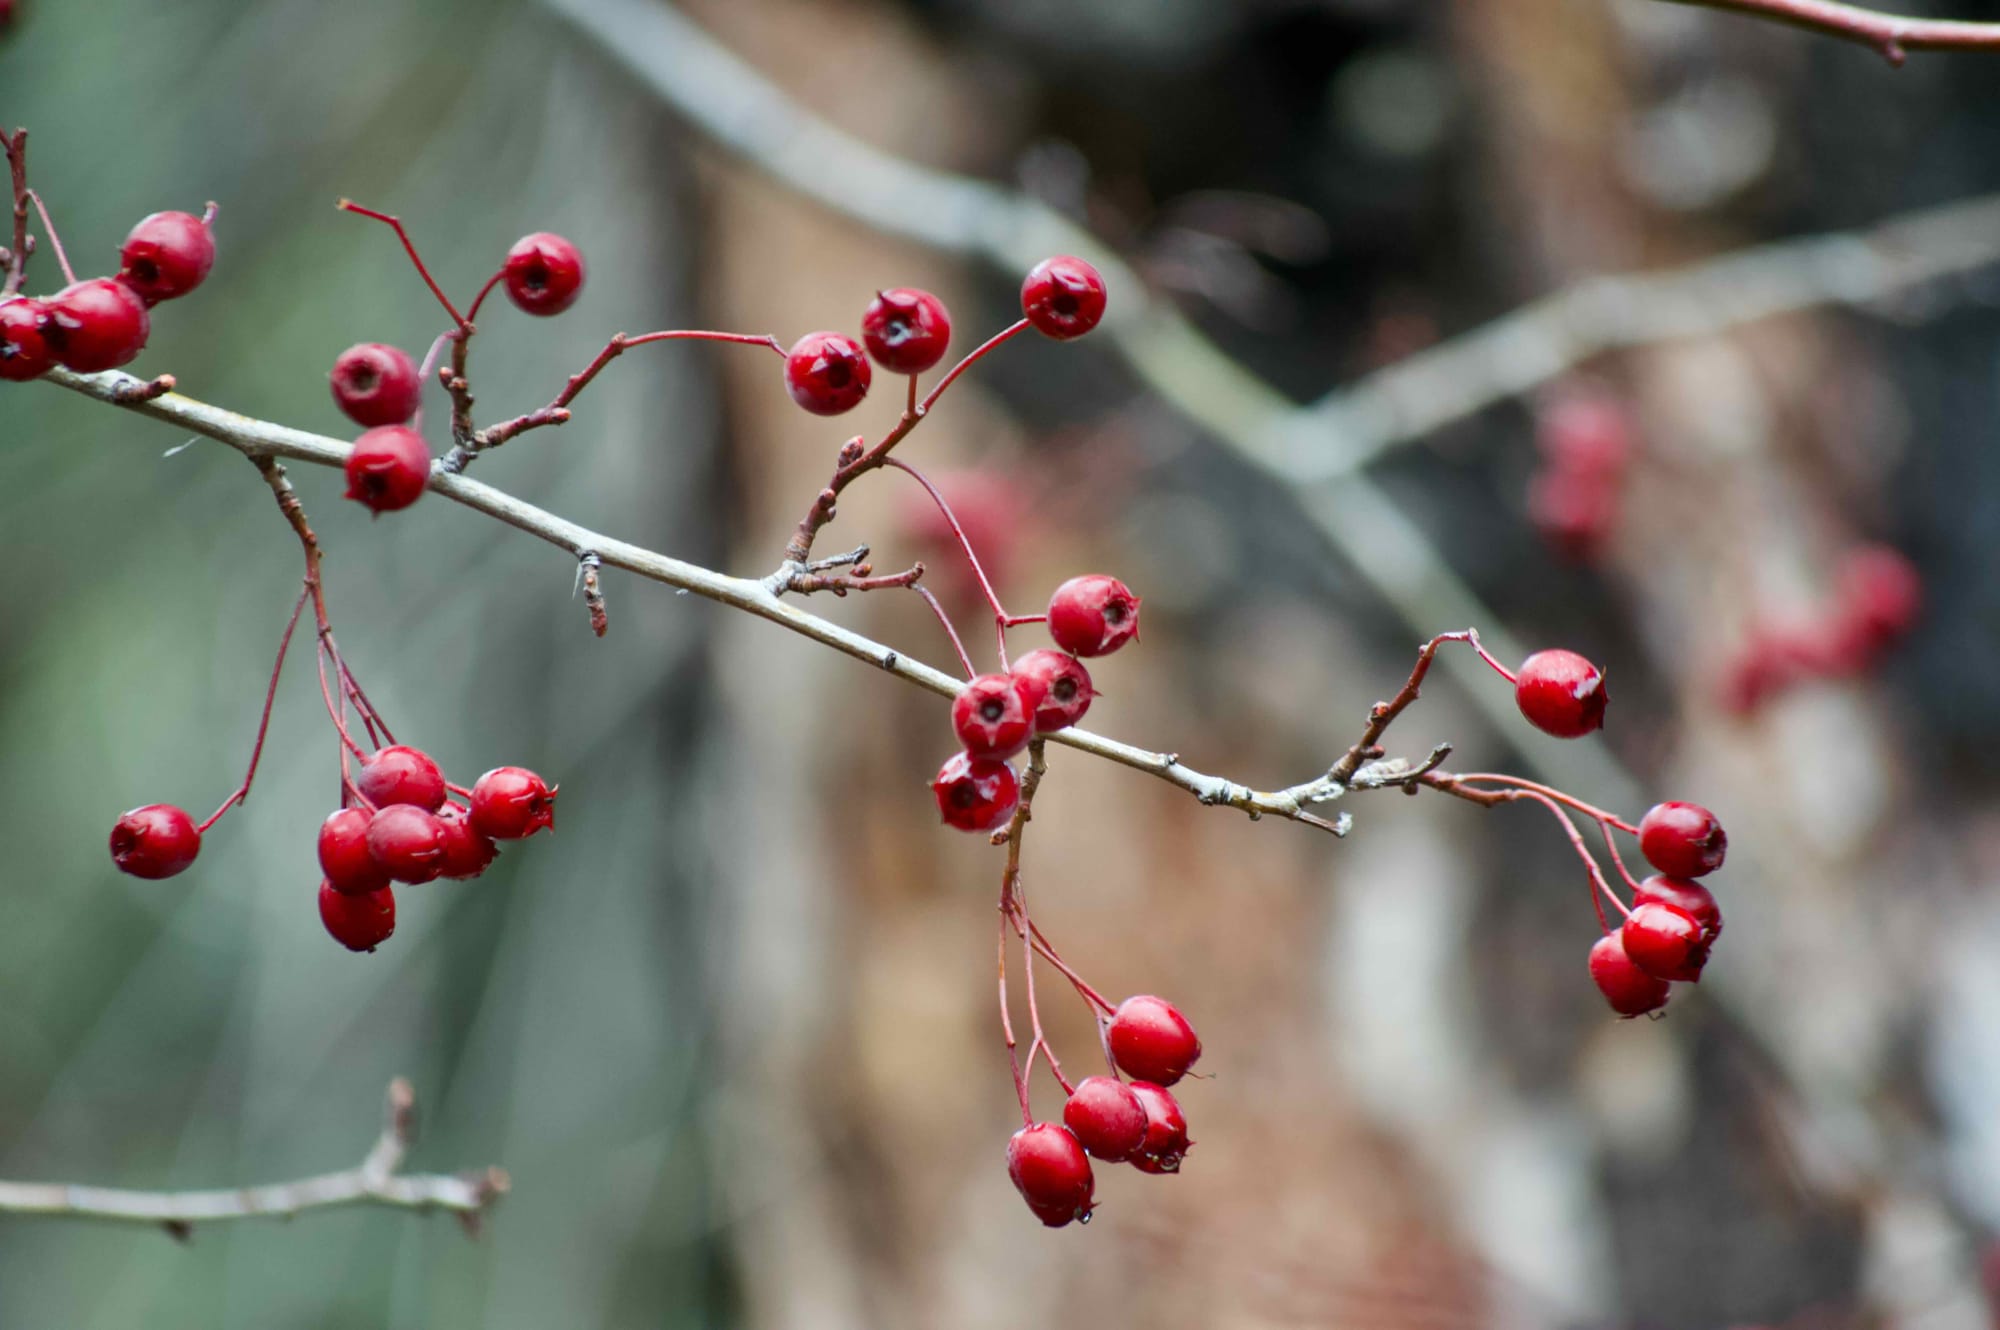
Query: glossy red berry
(156, 841)
(826, 373)
(544, 274)
(1166, 1142)
(1061, 685)
(374, 384)
(1682, 839)
(1691, 898)
(1052, 1174)
(343, 853)
(389, 468)
(509, 803)
(359, 923)
(401, 774)
(906, 330)
(25, 352)
(408, 842)
(1093, 615)
(166, 255)
(1629, 989)
(994, 715)
(1106, 1118)
(1665, 941)
(1151, 1041)
(1561, 693)
(1063, 297)
(96, 325)
(976, 793)
(467, 853)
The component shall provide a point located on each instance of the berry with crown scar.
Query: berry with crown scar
(994, 715)
(166, 256)
(389, 468)
(374, 384)
(976, 793)
(827, 373)
(1060, 683)
(1166, 1142)
(543, 274)
(408, 842)
(1561, 693)
(1682, 839)
(1093, 615)
(1063, 297)
(153, 842)
(343, 853)
(906, 330)
(512, 803)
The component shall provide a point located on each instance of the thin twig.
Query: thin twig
(1889, 35)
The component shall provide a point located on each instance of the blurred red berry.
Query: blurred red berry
(1690, 898)
(153, 842)
(389, 468)
(1665, 941)
(400, 774)
(359, 923)
(1060, 683)
(166, 255)
(408, 842)
(375, 384)
(97, 325)
(1629, 989)
(512, 803)
(976, 794)
(343, 853)
(1682, 839)
(1166, 1142)
(25, 352)
(467, 853)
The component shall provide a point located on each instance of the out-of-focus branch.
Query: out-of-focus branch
(375, 1181)
(1892, 36)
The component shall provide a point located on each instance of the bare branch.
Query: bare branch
(1890, 35)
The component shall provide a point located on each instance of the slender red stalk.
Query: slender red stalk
(349, 205)
(977, 353)
(949, 631)
(264, 721)
(964, 541)
(472, 310)
(55, 241)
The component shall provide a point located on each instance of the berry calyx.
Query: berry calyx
(408, 842)
(389, 468)
(1093, 615)
(401, 774)
(994, 715)
(343, 853)
(1691, 898)
(906, 330)
(153, 842)
(374, 384)
(359, 923)
(1049, 1169)
(1665, 941)
(976, 793)
(1682, 839)
(25, 352)
(466, 852)
(1561, 693)
(1106, 1118)
(97, 325)
(1063, 297)
(1060, 683)
(1151, 1041)
(826, 373)
(1166, 1142)
(1629, 989)
(166, 255)
(510, 803)
(543, 274)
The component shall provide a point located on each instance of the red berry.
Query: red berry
(1665, 941)
(375, 384)
(389, 468)
(1682, 839)
(1106, 1118)
(826, 373)
(906, 330)
(1051, 1172)
(1063, 297)
(401, 774)
(976, 793)
(1879, 594)
(1093, 615)
(1574, 512)
(1561, 693)
(96, 325)
(509, 803)
(1586, 434)
(1166, 1140)
(1691, 898)
(466, 852)
(1629, 989)
(25, 352)
(408, 842)
(994, 715)
(359, 923)
(544, 274)
(1061, 685)
(343, 853)
(156, 841)
(1151, 1041)
(166, 255)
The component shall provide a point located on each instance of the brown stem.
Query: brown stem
(16, 149)
(1890, 35)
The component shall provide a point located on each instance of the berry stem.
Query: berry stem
(949, 631)
(264, 722)
(16, 148)
(1007, 1031)
(464, 324)
(1568, 800)
(472, 310)
(424, 372)
(1383, 714)
(964, 543)
(1611, 844)
(55, 241)
(977, 353)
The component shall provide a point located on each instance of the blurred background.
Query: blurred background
(731, 1031)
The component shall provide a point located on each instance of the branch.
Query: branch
(374, 1181)
(1891, 36)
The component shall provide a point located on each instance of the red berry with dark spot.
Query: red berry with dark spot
(375, 384)
(906, 330)
(1061, 685)
(543, 274)
(826, 373)
(1691, 898)
(1052, 1174)
(166, 255)
(401, 774)
(389, 468)
(994, 715)
(25, 352)
(467, 853)
(359, 923)
(343, 853)
(1166, 1142)
(156, 841)
(1629, 989)
(1561, 693)
(1665, 941)
(1093, 615)
(408, 842)
(1151, 1041)
(1106, 1118)
(1063, 297)
(1682, 839)
(976, 793)
(97, 325)
(510, 803)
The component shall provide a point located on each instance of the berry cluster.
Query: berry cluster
(1877, 595)
(1574, 498)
